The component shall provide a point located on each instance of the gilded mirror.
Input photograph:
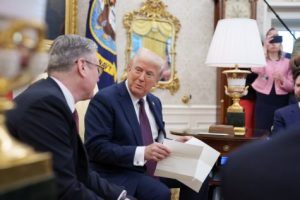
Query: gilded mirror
(154, 28)
(61, 18)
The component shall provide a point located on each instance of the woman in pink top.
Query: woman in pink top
(273, 84)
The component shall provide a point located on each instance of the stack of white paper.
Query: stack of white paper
(189, 163)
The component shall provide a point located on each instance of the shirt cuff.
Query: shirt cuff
(139, 156)
(122, 195)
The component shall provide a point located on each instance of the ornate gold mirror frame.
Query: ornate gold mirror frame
(62, 15)
(153, 27)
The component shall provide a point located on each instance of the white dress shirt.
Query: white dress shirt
(67, 94)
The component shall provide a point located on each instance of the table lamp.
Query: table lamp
(236, 44)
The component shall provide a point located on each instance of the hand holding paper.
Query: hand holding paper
(156, 152)
(189, 163)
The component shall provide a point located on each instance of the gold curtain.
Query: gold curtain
(154, 35)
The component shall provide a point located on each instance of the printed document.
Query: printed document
(189, 162)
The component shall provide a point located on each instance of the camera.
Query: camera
(276, 39)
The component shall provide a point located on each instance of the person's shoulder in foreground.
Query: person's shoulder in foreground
(265, 169)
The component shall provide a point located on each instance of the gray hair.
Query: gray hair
(66, 49)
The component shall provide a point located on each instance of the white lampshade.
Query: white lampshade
(236, 42)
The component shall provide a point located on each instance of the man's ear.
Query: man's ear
(81, 68)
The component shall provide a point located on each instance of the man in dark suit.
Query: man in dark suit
(114, 133)
(264, 170)
(288, 116)
(43, 118)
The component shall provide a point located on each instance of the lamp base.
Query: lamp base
(237, 119)
(239, 131)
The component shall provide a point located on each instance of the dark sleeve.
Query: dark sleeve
(47, 126)
(107, 133)
(278, 123)
(103, 187)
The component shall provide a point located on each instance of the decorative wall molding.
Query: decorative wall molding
(191, 116)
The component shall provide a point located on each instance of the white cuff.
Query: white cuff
(139, 156)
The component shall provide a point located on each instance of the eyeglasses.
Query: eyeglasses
(100, 67)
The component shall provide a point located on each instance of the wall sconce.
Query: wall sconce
(236, 44)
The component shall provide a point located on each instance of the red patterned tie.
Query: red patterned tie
(76, 119)
(146, 135)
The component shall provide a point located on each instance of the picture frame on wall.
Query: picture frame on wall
(61, 18)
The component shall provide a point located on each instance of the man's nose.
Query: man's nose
(142, 75)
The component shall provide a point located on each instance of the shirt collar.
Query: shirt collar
(67, 94)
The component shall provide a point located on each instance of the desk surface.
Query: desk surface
(224, 143)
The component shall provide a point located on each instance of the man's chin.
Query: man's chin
(138, 93)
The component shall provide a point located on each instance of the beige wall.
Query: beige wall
(196, 18)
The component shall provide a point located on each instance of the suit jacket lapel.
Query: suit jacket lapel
(129, 112)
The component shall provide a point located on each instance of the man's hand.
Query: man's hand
(156, 152)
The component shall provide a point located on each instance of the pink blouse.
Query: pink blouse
(264, 82)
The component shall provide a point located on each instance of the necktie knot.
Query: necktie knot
(141, 102)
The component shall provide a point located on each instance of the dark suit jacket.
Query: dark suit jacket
(112, 130)
(43, 120)
(285, 117)
(264, 170)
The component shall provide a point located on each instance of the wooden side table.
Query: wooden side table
(224, 143)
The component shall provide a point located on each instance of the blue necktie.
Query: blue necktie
(146, 135)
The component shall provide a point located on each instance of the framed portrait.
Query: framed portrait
(61, 18)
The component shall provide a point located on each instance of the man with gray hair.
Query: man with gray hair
(45, 118)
